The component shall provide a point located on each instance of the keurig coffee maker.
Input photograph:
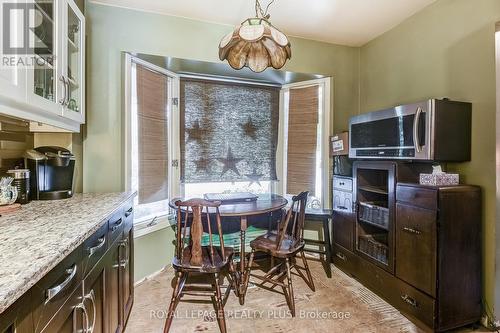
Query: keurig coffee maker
(51, 172)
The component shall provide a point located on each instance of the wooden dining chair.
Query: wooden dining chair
(283, 245)
(191, 258)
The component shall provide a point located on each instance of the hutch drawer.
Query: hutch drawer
(417, 196)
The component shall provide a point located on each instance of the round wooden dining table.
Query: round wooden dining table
(265, 203)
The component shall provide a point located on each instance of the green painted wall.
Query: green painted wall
(446, 50)
(152, 252)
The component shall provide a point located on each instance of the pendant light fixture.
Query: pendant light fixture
(256, 43)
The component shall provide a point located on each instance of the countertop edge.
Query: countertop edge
(51, 264)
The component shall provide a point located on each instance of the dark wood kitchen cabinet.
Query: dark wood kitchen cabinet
(119, 279)
(90, 290)
(17, 318)
(127, 281)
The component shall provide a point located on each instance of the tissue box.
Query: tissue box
(438, 179)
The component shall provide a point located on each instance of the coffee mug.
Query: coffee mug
(8, 195)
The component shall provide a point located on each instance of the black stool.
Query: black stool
(321, 216)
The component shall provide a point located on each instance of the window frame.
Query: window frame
(325, 99)
(173, 134)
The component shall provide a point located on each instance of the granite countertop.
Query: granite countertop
(34, 239)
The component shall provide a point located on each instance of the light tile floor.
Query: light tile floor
(340, 304)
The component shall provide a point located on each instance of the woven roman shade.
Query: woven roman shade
(152, 100)
(228, 131)
(302, 139)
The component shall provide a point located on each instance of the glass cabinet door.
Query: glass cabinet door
(44, 77)
(74, 41)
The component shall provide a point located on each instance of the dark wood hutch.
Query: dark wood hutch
(418, 247)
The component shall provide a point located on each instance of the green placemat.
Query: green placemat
(232, 239)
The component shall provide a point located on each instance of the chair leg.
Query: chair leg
(328, 247)
(220, 307)
(291, 300)
(233, 282)
(176, 295)
(247, 278)
(310, 281)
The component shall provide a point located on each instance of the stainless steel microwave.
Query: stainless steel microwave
(432, 130)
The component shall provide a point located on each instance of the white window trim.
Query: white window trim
(281, 151)
(145, 226)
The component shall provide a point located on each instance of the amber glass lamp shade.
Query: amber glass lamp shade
(255, 44)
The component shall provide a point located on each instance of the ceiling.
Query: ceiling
(345, 22)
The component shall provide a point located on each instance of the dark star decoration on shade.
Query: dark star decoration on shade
(196, 133)
(249, 128)
(202, 164)
(254, 177)
(230, 162)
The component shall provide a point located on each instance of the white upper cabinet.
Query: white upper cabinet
(73, 43)
(50, 87)
(12, 78)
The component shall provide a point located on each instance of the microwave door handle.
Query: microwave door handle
(416, 121)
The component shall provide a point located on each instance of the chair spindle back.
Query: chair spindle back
(194, 210)
(296, 213)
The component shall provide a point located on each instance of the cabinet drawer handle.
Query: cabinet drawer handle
(341, 256)
(412, 231)
(62, 101)
(128, 212)
(91, 296)
(409, 300)
(121, 264)
(52, 292)
(117, 224)
(100, 244)
(82, 307)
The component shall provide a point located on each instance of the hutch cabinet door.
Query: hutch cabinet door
(416, 247)
(343, 229)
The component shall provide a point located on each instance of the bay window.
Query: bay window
(186, 136)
